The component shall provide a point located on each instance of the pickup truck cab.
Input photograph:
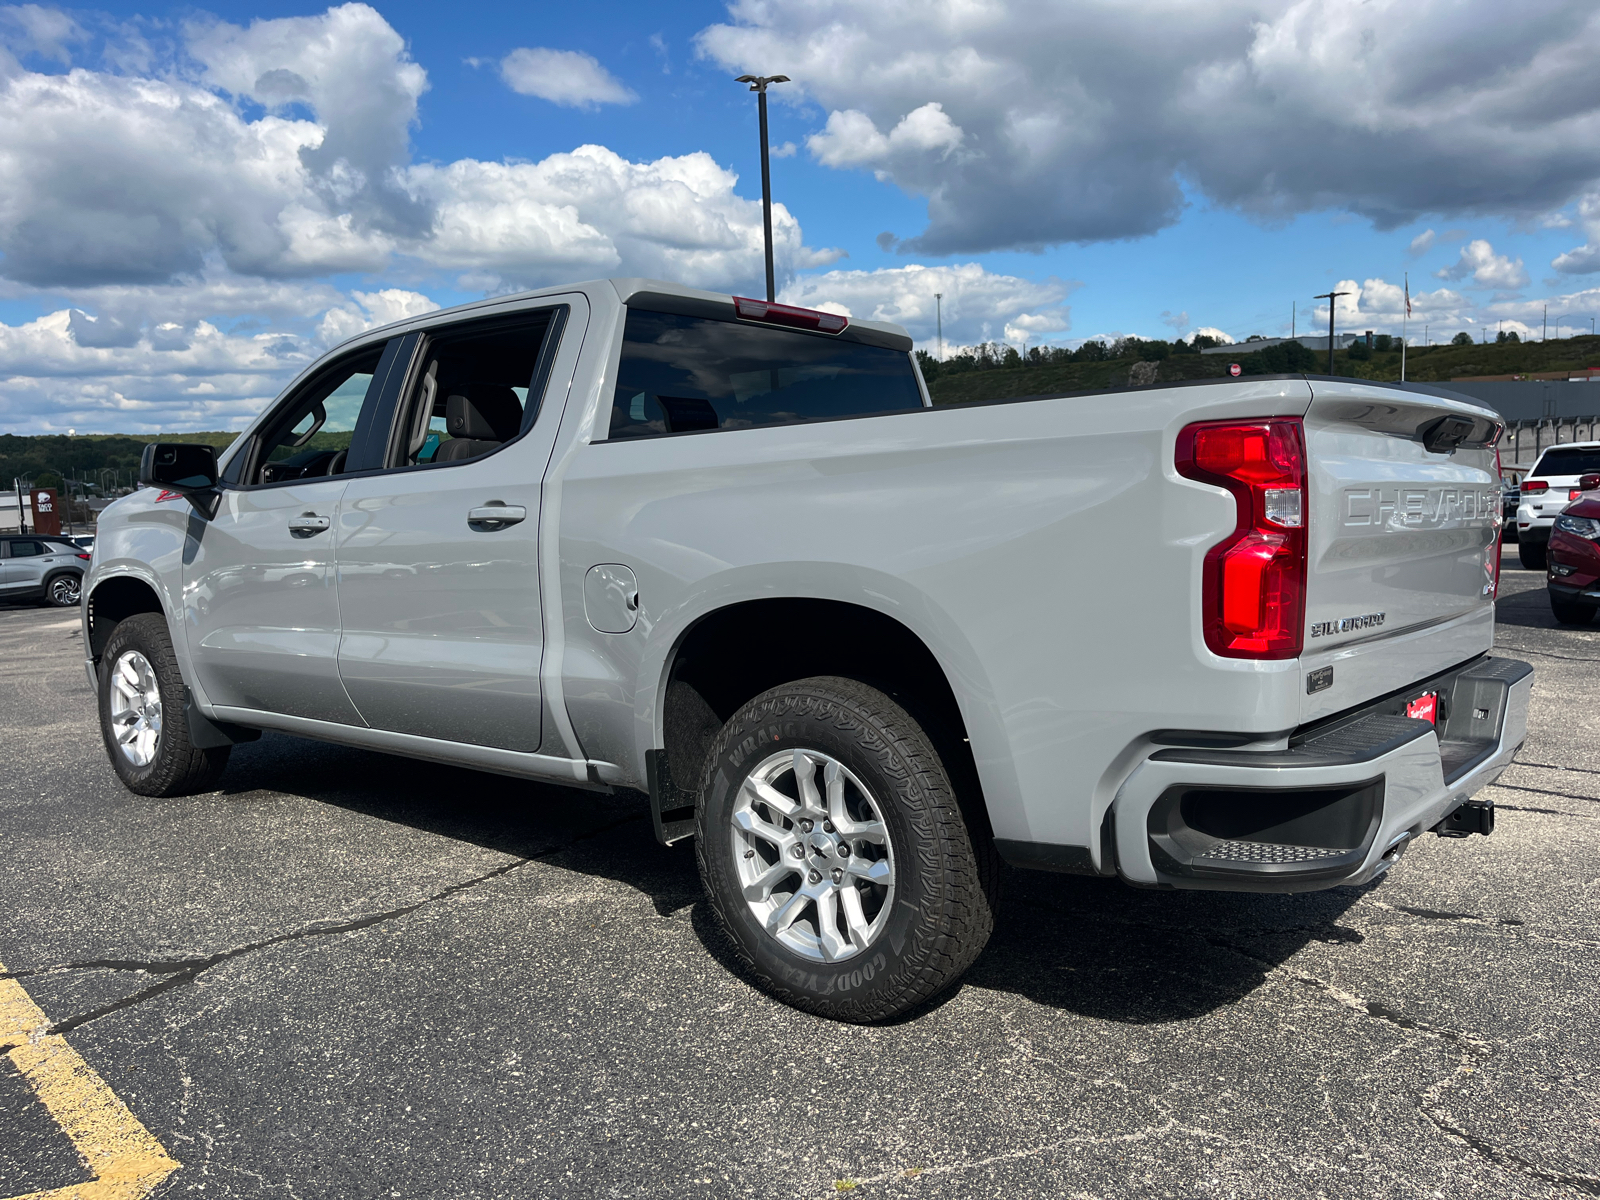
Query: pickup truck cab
(625, 534)
(1554, 482)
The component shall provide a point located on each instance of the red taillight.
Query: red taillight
(1534, 485)
(1574, 493)
(786, 314)
(85, 557)
(1255, 578)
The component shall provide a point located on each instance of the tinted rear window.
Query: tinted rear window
(1568, 462)
(681, 374)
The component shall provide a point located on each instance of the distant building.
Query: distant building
(1340, 342)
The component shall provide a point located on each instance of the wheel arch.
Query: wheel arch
(702, 683)
(114, 599)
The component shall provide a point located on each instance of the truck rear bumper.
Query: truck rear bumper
(1335, 804)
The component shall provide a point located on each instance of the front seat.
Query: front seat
(479, 417)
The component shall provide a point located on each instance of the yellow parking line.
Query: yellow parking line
(126, 1160)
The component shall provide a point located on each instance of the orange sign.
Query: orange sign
(46, 513)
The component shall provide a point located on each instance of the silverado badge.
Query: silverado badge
(1347, 624)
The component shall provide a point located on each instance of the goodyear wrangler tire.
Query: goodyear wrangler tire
(142, 715)
(833, 849)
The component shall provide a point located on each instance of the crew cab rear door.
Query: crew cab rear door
(1404, 537)
(438, 553)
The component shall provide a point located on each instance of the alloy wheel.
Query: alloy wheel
(136, 708)
(813, 854)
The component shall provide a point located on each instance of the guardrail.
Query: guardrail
(1524, 441)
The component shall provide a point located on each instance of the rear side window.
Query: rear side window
(1570, 461)
(681, 374)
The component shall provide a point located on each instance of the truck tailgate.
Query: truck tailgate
(1402, 541)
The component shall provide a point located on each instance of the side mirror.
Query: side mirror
(189, 470)
(1588, 483)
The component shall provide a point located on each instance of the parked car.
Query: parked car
(84, 541)
(41, 567)
(1511, 496)
(1546, 490)
(1574, 557)
(631, 535)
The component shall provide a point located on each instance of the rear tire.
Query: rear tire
(891, 897)
(1532, 555)
(64, 591)
(143, 717)
(1571, 612)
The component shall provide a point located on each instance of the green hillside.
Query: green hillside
(1004, 374)
(47, 458)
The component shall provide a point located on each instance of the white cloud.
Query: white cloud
(1211, 331)
(1177, 321)
(47, 32)
(978, 305)
(1423, 242)
(566, 77)
(923, 138)
(1479, 263)
(1584, 259)
(369, 310)
(1078, 121)
(594, 212)
(321, 182)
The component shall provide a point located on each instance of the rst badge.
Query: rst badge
(1347, 624)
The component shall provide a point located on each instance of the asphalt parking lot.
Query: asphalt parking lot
(351, 975)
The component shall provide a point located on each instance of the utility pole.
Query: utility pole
(1330, 297)
(1544, 334)
(758, 85)
(1294, 312)
(938, 309)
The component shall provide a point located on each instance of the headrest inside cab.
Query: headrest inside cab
(483, 411)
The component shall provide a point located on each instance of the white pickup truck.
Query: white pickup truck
(624, 534)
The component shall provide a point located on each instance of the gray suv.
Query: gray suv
(39, 567)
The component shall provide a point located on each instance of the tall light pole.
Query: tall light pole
(1330, 297)
(758, 85)
(938, 309)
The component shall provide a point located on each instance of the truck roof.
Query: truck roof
(626, 288)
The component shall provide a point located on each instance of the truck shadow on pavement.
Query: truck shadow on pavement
(1089, 946)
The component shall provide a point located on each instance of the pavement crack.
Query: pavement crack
(1554, 767)
(1511, 787)
(1547, 654)
(1589, 1185)
(186, 970)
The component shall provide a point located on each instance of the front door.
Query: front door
(261, 602)
(439, 558)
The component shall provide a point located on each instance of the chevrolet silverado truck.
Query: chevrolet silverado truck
(862, 649)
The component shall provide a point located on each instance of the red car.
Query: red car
(1574, 558)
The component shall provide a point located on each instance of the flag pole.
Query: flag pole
(1405, 325)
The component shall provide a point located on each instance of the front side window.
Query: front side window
(680, 374)
(310, 438)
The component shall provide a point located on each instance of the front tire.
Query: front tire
(1571, 612)
(1531, 555)
(833, 850)
(142, 714)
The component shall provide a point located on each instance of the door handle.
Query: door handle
(495, 515)
(308, 524)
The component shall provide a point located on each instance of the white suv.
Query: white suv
(1547, 489)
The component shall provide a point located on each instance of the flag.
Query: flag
(1408, 293)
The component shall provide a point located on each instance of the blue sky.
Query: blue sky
(206, 199)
